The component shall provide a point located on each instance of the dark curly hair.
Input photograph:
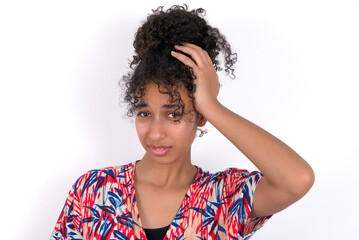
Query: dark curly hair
(152, 61)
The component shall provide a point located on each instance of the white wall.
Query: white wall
(60, 116)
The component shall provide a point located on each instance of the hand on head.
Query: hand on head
(206, 78)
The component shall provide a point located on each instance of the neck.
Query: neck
(165, 175)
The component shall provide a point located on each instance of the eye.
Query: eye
(174, 115)
(143, 114)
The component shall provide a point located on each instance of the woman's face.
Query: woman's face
(165, 140)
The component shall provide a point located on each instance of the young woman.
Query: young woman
(172, 91)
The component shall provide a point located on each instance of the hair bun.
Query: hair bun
(176, 25)
(171, 27)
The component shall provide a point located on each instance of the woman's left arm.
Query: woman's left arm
(287, 176)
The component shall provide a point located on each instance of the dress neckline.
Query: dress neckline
(157, 229)
(182, 212)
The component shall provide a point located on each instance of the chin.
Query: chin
(163, 160)
(160, 160)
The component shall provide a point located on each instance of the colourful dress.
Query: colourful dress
(102, 205)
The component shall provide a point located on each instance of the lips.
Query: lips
(159, 150)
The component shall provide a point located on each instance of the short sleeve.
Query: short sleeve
(68, 225)
(238, 196)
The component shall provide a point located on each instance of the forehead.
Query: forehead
(161, 94)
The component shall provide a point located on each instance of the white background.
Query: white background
(297, 77)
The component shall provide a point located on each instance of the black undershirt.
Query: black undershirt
(157, 233)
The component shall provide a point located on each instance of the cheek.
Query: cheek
(140, 129)
(187, 132)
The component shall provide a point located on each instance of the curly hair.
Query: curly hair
(152, 61)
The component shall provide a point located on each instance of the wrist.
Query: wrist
(210, 109)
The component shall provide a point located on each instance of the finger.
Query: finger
(191, 45)
(197, 53)
(192, 50)
(205, 56)
(208, 58)
(205, 53)
(184, 59)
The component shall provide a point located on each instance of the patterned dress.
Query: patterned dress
(102, 205)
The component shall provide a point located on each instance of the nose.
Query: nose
(157, 130)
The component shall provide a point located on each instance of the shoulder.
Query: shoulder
(241, 175)
(98, 178)
(232, 175)
(229, 181)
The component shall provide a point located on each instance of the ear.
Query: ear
(201, 121)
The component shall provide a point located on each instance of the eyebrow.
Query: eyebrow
(141, 105)
(166, 106)
(171, 106)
